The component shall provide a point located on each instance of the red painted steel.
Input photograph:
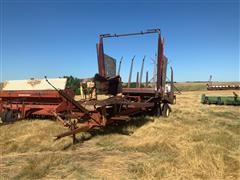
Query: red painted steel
(101, 70)
(35, 102)
(160, 64)
(86, 114)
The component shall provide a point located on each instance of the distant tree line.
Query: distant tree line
(73, 83)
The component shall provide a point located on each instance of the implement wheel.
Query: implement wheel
(16, 115)
(166, 110)
(10, 116)
(3, 116)
(174, 100)
(157, 111)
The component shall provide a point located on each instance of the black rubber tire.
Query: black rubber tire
(16, 115)
(157, 110)
(3, 116)
(9, 116)
(166, 110)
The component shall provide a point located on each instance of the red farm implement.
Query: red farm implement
(120, 105)
(32, 98)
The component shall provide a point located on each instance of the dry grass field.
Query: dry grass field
(196, 142)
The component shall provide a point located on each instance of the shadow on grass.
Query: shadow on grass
(119, 127)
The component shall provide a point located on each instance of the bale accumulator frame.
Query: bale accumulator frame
(123, 103)
(80, 116)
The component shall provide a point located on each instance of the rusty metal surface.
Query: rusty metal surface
(121, 104)
(29, 93)
(160, 63)
(38, 102)
(100, 54)
(110, 65)
(132, 100)
(150, 91)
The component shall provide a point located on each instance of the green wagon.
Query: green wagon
(221, 100)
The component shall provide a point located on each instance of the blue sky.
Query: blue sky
(57, 38)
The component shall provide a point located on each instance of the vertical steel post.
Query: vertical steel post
(159, 63)
(137, 80)
(147, 79)
(164, 71)
(141, 73)
(155, 72)
(101, 63)
(172, 85)
(119, 66)
(130, 74)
